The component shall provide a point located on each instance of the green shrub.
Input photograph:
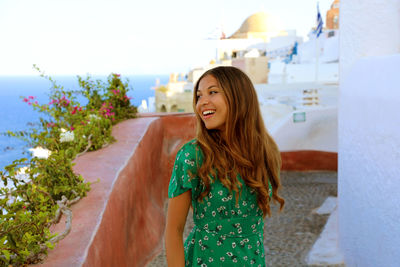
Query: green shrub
(45, 185)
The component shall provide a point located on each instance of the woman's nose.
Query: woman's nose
(203, 100)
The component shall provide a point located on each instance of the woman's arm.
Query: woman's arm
(178, 208)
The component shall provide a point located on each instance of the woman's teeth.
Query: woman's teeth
(208, 112)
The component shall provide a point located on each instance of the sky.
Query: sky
(130, 37)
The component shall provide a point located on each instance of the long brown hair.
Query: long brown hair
(246, 147)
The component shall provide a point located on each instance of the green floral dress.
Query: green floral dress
(225, 233)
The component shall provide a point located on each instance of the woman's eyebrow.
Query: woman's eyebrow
(211, 86)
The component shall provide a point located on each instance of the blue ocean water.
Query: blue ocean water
(15, 115)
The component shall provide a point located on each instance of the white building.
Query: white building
(369, 133)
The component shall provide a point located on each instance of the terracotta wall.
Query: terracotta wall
(121, 221)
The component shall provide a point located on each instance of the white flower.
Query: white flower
(66, 136)
(23, 170)
(40, 152)
(94, 117)
(22, 174)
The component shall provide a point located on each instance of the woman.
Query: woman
(228, 174)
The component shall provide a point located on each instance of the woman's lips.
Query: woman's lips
(208, 113)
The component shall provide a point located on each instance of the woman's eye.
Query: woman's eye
(213, 92)
(198, 96)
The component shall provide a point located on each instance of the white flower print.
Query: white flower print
(245, 258)
(230, 254)
(220, 192)
(210, 259)
(203, 265)
(222, 259)
(210, 195)
(206, 238)
(213, 213)
(219, 243)
(249, 247)
(233, 245)
(234, 260)
(198, 260)
(205, 227)
(244, 203)
(219, 227)
(189, 162)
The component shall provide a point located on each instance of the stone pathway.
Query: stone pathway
(289, 235)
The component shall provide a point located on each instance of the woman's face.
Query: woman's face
(211, 103)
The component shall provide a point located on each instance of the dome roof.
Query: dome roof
(260, 22)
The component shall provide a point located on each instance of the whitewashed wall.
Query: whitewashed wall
(369, 132)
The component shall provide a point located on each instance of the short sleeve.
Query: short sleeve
(184, 170)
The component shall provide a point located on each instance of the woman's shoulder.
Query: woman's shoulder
(190, 150)
(191, 147)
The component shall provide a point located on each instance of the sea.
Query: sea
(16, 115)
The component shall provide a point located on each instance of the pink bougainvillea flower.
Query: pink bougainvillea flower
(74, 111)
(31, 97)
(51, 124)
(26, 99)
(72, 128)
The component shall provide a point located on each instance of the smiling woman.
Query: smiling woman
(229, 174)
